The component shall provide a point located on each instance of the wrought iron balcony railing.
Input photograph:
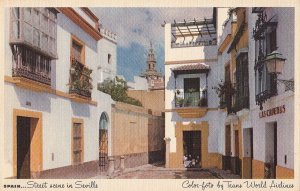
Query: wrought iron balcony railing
(241, 102)
(192, 99)
(31, 65)
(80, 79)
(194, 44)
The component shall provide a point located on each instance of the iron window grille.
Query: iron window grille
(33, 42)
(242, 82)
(265, 38)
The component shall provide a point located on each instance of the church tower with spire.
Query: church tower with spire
(151, 59)
(155, 79)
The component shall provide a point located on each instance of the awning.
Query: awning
(191, 69)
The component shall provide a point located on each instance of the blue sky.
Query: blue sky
(136, 27)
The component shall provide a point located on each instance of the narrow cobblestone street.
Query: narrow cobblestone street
(159, 172)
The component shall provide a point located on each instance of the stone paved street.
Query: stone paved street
(159, 172)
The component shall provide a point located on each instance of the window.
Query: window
(78, 50)
(77, 142)
(33, 42)
(242, 82)
(226, 99)
(35, 27)
(191, 91)
(234, 85)
(103, 121)
(109, 58)
(265, 83)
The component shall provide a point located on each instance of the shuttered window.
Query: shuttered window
(35, 27)
(265, 83)
(242, 82)
(77, 146)
(78, 50)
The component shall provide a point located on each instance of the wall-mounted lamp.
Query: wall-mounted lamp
(275, 62)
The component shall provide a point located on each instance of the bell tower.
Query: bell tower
(151, 62)
(155, 79)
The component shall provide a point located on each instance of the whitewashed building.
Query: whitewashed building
(54, 58)
(272, 95)
(191, 103)
(249, 128)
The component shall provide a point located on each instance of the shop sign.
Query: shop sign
(272, 111)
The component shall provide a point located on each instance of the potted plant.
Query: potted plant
(224, 90)
(179, 101)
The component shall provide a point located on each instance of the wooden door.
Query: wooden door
(251, 149)
(23, 147)
(192, 146)
(236, 142)
(237, 152)
(227, 140)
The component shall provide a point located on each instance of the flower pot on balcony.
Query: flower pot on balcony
(179, 101)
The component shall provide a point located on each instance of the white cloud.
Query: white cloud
(141, 25)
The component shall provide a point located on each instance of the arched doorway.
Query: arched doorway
(103, 142)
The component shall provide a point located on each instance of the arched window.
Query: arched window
(103, 124)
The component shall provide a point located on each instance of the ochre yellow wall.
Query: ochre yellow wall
(135, 130)
(242, 43)
(156, 133)
(284, 173)
(154, 100)
(246, 167)
(207, 159)
(129, 129)
(258, 169)
(36, 145)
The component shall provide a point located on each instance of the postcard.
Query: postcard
(150, 96)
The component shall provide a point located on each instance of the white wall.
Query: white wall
(84, 15)
(215, 144)
(104, 69)
(57, 112)
(221, 31)
(285, 121)
(215, 139)
(138, 83)
(189, 53)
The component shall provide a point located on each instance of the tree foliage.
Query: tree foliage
(117, 88)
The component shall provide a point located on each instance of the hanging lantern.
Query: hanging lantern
(275, 62)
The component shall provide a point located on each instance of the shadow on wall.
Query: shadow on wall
(33, 100)
(171, 86)
(214, 75)
(53, 74)
(72, 28)
(82, 110)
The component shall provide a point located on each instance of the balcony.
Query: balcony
(193, 105)
(241, 102)
(80, 85)
(194, 43)
(31, 73)
(226, 36)
(193, 33)
(192, 99)
(30, 70)
(35, 28)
